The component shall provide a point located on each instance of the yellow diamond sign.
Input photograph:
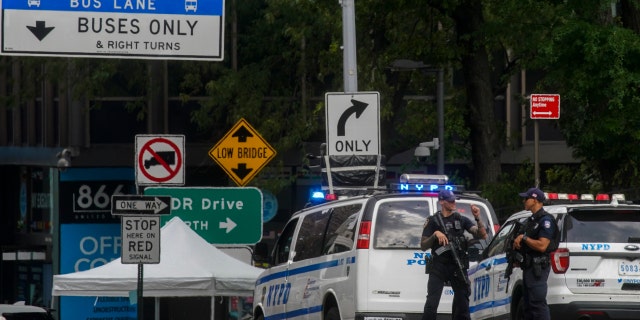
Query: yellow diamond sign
(242, 153)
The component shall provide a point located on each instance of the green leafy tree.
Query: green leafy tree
(592, 60)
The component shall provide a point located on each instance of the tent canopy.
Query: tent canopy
(189, 266)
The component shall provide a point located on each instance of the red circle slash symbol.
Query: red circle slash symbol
(162, 158)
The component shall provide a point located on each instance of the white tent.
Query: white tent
(189, 266)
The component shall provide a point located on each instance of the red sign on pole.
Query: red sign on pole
(544, 106)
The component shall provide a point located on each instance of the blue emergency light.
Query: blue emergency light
(317, 195)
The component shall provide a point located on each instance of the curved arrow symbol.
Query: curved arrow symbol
(357, 108)
(229, 225)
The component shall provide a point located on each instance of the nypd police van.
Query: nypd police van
(359, 257)
(595, 272)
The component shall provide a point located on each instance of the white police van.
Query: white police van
(595, 273)
(358, 258)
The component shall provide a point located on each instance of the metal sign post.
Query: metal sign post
(140, 233)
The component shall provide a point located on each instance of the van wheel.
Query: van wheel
(519, 314)
(332, 314)
(259, 317)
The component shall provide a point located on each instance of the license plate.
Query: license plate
(626, 268)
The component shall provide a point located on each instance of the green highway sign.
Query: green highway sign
(218, 215)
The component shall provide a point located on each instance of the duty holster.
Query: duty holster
(539, 263)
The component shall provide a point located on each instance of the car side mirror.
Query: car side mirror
(261, 253)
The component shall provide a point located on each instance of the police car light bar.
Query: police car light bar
(600, 197)
(410, 182)
(413, 178)
(420, 187)
(318, 196)
(618, 196)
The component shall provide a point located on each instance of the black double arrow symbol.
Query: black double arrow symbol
(242, 134)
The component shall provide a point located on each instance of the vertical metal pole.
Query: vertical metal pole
(536, 152)
(156, 308)
(140, 296)
(440, 96)
(350, 65)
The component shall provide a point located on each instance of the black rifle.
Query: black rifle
(513, 256)
(455, 245)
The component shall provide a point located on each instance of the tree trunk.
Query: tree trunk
(630, 15)
(476, 67)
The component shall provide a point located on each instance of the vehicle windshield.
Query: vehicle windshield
(611, 226)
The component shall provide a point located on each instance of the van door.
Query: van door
(391, 271)
(273, 288)
(320, 262)
(306, 265)
(339, 249)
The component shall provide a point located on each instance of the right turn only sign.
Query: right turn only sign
(544, 106)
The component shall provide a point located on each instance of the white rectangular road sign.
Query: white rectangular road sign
(353, 123)
(140, 240)
(148, 29)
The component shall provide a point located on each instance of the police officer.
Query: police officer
(535, 243)
(444, 268)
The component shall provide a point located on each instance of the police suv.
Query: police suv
(595, 272)
(359, 257)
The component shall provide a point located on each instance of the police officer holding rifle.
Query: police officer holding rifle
(539, 238)
(444, 235)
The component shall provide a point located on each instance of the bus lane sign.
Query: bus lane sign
(147, 29)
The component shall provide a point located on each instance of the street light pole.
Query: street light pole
(349, 63)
